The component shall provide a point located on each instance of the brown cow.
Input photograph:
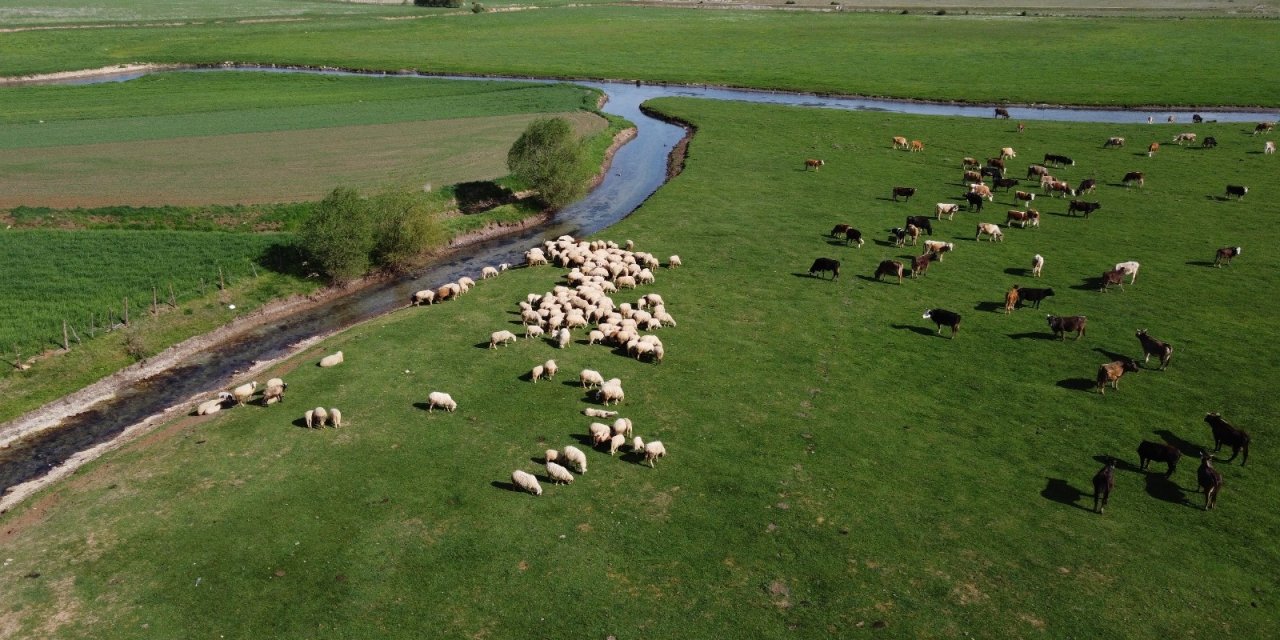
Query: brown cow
(1111, 372)
(1134, 176)
(1184, 137)
(1152, 346)
(1152, 149)
(1113, 142)
(920, 264)
(916, 145)
(1224, 433)
(1112, 277)
(1225, 255)
(889, 268)
(1210, 480)
(899, 142)
(1062, 325)
(1011, 300)
(971, 177)
(969, 163)
(1264, 127)
(948, 209)
(1024, 218)
(1103, 483)
(1001, 112)
(813, 163)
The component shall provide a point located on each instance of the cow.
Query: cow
(1007, 152)
(898, 236)
(1109, 278)
(1237, 190)
(1149, 452)
(1001, 112)
(917, 145)
(814, 164)
(1025, 197)
(1023, 218)
(900, 142)
(1035, 170)
(1103, 482)
(1269, 148)
(912, 234)
(994, 172)
(1158, 348)
(948, 209)
(969, 163)
(974, 200)
(1083, 207)
(905, 192)
(1152, 149)
(1184, 137)
(1032, 296)
(1111, 372)
(1225, 256)
(1055, 160)
(1037, 265)
(1196, 119)
(971, 177)
(1086, 186)
(823, 265)
(1209, 479)
(1134, 176)
(1130, 269)
(1006, 183)
(1062, 325)
(1114, 142)
(920, 264)
(1021, 127)
(982, 190)
(1060, 188)
(938, 248)
(991, 230)
(889, 268)
(1210, 142)
(996, 162)
(839, 230)
(851, 236)
(1224, 433)
(943, 318)
(1264, 127)
(922, 222)
(1011, 299)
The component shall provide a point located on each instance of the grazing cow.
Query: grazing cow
(1158, 348)
(899, 142)
(1269, 148)
(938, 248)
(1264, 127)
(1001, 112)
(1184, 137)
(916, 145)
(905, 192)
(920, 264)
(913, 234)
(839, 230)
(996, 162)
(971, 177)
(1083, 207)
(851, 236)
(1007, 152)
(1111, 372)
(1195, 118)
(898, 236)
(974, 200)
(948, 209)
(1025, 197)
(889, 268)
(1007, 183)
(823, 265)
(1134, 176)
(922, 222)
(1086, 186)
(1113, 142)
(1033, 296)
(1036, 170)
(1037, 265)
(1152, 149)
(1045, 181)
(943, 318)
(1149, 452)
(1210, 142)
(1103, 482)
(982, 190)
(1062, 325)
(1237, 190)
(969, 163)
(1224, 433)
(1023, 218)
(1011, 299)
(1021, 127)
(1210, 480)
(1060, 188)
(1130, 269)
(1055, 160)
(991, 230)
(994, 172)
(814, 164)
(1109, 278)
(1225, 255)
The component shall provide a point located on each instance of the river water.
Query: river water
(638, 169)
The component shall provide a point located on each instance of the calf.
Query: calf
(905, 192)
(912, 234)
(1011, 299)
(1152, 149)
(899, 142)
(1210, 480)
(1225, 255)
(1134, 176)
(1269, 148)
(1114, 142)
(1237, 190)
(1033, 296)
(922, 222)
(920, 264)
(839, 230)
(1152, 346)
(1103, 482)
(1036, 170)
(971, 177)
(1130, 269)
(969, 163)
(974, 200)
(1184, 137)
(1061, 326)
(823, 265)
(1082, 207)
(1001, 112)
(1109, 278)
(1037, 265)
(944, 318)
(1087, 186)
(1111, 372)
(898, 236)
(1149, 452)
(948, 209)
(982, 190)
(991, 230)
(1023, 218)
(1055, 160)
(916, 145)
(1224, 433)
(1210, 142)
(814, 164)
(1007, 152)
(851, 236)
(1005, 183)
(996, 162)
(938, 247)
(1024, 196)
(889, 268)
(1263, 127)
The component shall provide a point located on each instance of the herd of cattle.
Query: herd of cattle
(974, 178)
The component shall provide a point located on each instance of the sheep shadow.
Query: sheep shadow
(572, 383)
(1032, 335)
(924, 331)
(1162, 488)
(993, 307)
(1123, 465)
(505, 486)
(582, 439)
(1188, 449)
(482, 345)
(301, 423)
(634, 457)
(424, 406)
(1199, 263)
(1078, 384)
(1061, 491)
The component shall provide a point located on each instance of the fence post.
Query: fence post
(65, 346)
(126, 311)
(173, 299)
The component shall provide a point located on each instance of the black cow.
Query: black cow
(852, 235)
(1237, 190)
(1196, 118)
(1055, 160)
(1001, 112)
(994, 172)
(1149, 452)
(1134, 176)
(1083, 207)
(1087, 186)
(889, 268)
(1210, 142)
(1061, 326)
(1210, 480)
(822, 265)
(905, 192)
(921, 222)
(1224, 433)
(943, 318)
(1033, 296)
(898, 236)
(1103, 482)
(839, 230)
(1007, 183)
(974, 200)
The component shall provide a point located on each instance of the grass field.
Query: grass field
(15, 13)
(834, 466)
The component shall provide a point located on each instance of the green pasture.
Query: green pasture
(19, 13)
(1110, 61)
(834, 467)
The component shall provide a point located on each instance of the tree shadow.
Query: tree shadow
(1078, 384)
(1186, 448)
(1061, 491)
(481, 195)
(284, 258)
(989, 306)
(1032, 335)
(924, 331)
(1162, 488)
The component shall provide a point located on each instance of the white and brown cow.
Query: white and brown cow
(992, 231)
(1030, 217)
(948, 209)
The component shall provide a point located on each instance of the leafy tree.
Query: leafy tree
(404, 228)
(339, 235)
(549, 158)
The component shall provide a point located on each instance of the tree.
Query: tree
(339, 235)
(404, 228)
(549, 158)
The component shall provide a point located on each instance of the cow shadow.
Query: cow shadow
(1199, 263)
(1141, 154)
(1018, 271)
(1032, 335)
(924, 331)
(1162, 488)
(1062, 214)
(873, 279)
(989, 306)
(1061, 491)
(1089, 284)
(837, 243)
(884, 243)
(1123, 465)
(1186, 448)
(1078, 384)
(806, 274)
(1119, 185)
(1112, 355)
(1216, 198)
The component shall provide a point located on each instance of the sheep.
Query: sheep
(600, 433)
(332, 360)
(595, 336)
(504, 266)
(309, 417)
(611, 394)
(274, 392)
(440, 399)
(526, 482)
(551, 368)
(210, 406)
(335, 417)
(563, 338)
(488, 272)
(622, 426)
(616, 443)
(426, 296)
(536, 373)
(637, 444)
(590, 378)
(653, 451)
(593, 412)
(559, 474)
(551, 455)
(243, 392)
(320, 416)
(500, 337)
(673, 262)
(532, 331)
(575, 457)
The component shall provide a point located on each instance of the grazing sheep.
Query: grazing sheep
(653, 451)
(332, 360)
(637, 444)
(320, 416)
(488, 272)
(426, 296)
(551, 455)
(504, 266)
(335, 417)
(590, 378)
(575, 457)
(440, 399)
(616, 442)
(563, 338)
(1224, 433)
(595, 336)
(1210, 480)
(622, 426)
(1103, 482)
(532, 331)
(551, 368)
(1037, 265)
(559, 474)
(593, 412)
(536, 373)
(600, 433)
(526, 482)
(673, 262)
(274, 392)
(501, 337)
(243, 392)
(309, 417)
(611, 394)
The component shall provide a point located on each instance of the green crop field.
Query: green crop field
(834, 466)
(16, 13)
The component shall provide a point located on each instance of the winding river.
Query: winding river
(638, 169)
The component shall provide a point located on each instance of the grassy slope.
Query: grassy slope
(833, 464)
(1078, 60)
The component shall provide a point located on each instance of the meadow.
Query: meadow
(834, 466)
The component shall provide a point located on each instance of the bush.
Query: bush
(549, 158)
(404, 228)
(476, 7)
(339, 235)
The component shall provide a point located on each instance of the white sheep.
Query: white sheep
(653, 451)
(622, 426)
(526, 482)
(501, 337)
(310, 417)
(426, 296)
(331, 360)
(465, 283)
(504, 266)
(551, 368)
(335, 417)
(574, 456)
(440, 399)
(616, 443)
(532, 331)
(320, 416)
(595, 336)
(245, 391)
(563, 338)
(593, 412)
(673, 262)
(600, 433)
(590, 378)
(611, 394)
(274, 392)
(210, 406)
(551, 455)
(559, 474)
(637, 444)
(536, 373)
(625, 282)
(488, 272)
